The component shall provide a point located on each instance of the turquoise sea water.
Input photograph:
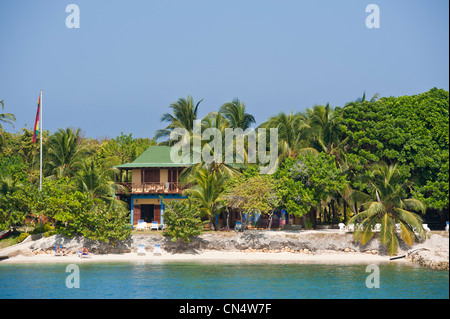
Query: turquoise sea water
(224, 281)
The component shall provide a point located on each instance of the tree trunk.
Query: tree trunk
(270, 220)
(333, 208)
(345, 212)
(312, 216)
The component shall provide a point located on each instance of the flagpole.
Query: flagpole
(40, 165)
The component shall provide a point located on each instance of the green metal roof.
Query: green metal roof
(154, 156)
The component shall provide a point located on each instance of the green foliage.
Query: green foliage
(15, 202)
(122, 149)
(206, 191)
(43, 228)
(184, 114)
(412, 131)
(78, 189)
(11, 165)
(234, 112)
(65, 152)
(305, 182)
(387, 205)
(182, 220)
(70, 211)
(5, 118)
(253, 194)
(22, 237)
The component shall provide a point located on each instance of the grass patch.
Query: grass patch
(10, 240)
(147, 232)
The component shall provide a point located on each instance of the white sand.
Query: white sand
(213, 256)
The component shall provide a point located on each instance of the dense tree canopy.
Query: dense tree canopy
(412, 131)
(325, 175)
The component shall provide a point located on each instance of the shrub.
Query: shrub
(182, 220)
(22, 237)
(42, 229)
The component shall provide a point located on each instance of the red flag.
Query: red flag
(36, 122)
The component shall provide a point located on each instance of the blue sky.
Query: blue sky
(129, 60)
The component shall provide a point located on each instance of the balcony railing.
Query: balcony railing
(150, 188)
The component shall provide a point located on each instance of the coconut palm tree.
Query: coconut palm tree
(206, 192)
(234, 112)
(363, 98)
(217, 121)
(65, 152)
(292, 132)
(185, 112)
(325, 133)
(96, 181)
(386, 204)
(5, 118)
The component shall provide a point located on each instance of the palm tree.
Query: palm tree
(363, 98)
(325, 133)
(96, 181)
(5, 118)
(65, 152)
(292, 130)
(184, 114)
(206, 192)
(8, 184)
(234, 112)
(217, 121)
(386, 205)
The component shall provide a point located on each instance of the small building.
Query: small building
(149, 181)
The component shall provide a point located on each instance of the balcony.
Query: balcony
(150, 188)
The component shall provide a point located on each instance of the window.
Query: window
(150, 176)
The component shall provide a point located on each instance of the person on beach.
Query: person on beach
(84, 252)
(60, 251)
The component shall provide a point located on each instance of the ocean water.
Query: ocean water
(221, 281)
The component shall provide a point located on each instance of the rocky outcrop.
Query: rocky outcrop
(433, 253)
(231, 241)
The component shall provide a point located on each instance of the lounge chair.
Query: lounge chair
(377, 228)
(141, 250)
(141, 225)
(157, 250)
(425, 227)
(342, 227)
(83, 255)
(154, 226)
(58, 253)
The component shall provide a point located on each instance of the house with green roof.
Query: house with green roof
(146, 180)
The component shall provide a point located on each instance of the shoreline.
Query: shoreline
(307, 247)
(210, 256)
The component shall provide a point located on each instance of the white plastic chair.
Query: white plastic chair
(141, 225)
(351, 227)
(377, 228)
(157, 250)
(446, 227)
(342, 227)
(141, 250)
(425, 227)
(154, 226)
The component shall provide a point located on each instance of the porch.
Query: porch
(150, 188)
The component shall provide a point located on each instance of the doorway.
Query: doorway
(147, 213)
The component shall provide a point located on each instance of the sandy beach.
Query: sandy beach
(211, 256)
(314, 247)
